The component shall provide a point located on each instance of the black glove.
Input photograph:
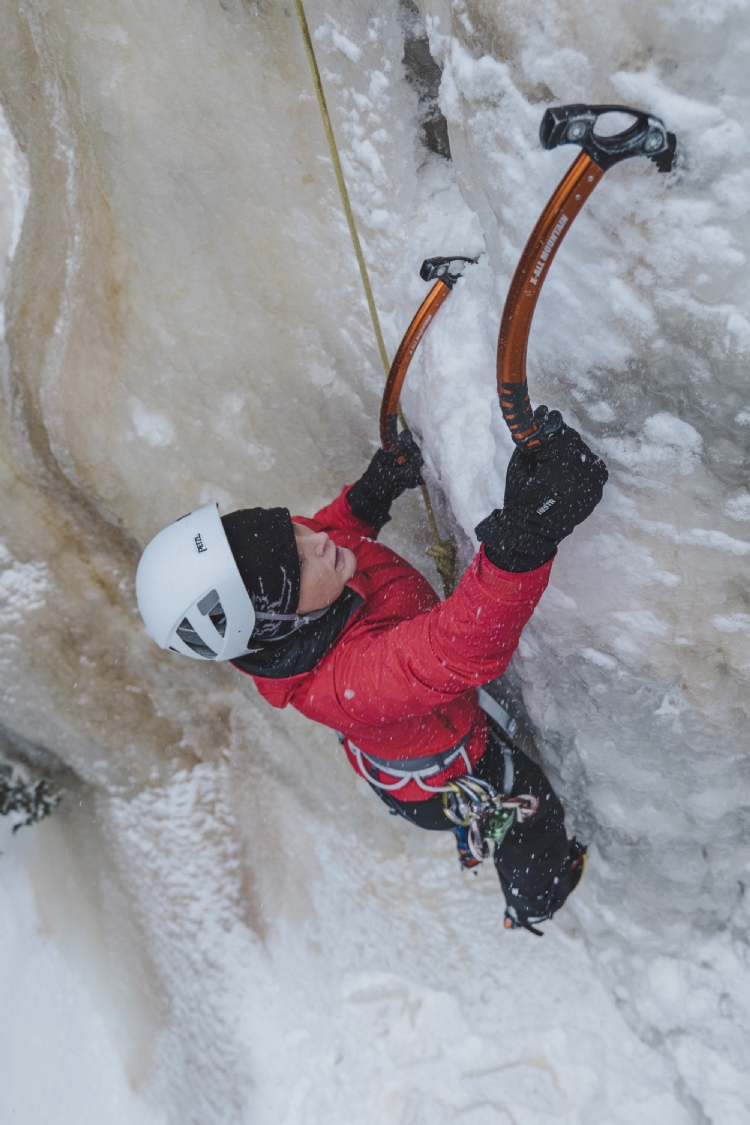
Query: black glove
(547, 494)
(371, 497)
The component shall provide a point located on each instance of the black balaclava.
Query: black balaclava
(265, 550)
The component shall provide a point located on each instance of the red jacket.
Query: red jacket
(399, 679)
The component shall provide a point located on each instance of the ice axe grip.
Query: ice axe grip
(568, 124)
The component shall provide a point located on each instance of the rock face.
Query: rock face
(184, 322)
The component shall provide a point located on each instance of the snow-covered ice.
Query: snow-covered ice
(220, 924)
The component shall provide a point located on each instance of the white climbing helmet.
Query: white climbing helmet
(190, 593)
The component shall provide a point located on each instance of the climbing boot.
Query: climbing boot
(524, 911)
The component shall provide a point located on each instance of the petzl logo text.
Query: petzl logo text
(200, 548)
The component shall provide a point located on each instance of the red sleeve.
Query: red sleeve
(338, 516)
(412, 667)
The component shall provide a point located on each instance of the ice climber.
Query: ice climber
(326, 619)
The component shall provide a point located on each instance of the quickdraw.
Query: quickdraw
(564, 125)
(476, 805)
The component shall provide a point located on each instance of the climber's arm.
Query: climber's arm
(411, 667)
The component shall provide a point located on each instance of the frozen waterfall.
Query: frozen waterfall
(219, 924)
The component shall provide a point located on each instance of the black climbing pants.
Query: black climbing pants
(533, 853)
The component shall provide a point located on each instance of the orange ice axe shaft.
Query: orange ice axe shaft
(568, 124)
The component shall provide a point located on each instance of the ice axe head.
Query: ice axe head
(576, 125)
(443, 269)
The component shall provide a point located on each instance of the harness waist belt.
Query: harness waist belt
(434, 763)
(409, 770)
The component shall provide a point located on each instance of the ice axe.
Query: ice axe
(445, 274)
(563, 125)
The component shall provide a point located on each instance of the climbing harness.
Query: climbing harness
(410, 769)
(443, 551)
(563, 125)
(479, 812)
(419, 769)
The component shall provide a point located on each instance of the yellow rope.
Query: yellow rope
(317, 82)
(443, 551)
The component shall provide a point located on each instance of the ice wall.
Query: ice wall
(184, 322)
(636, 665)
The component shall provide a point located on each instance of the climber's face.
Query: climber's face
(324, 568)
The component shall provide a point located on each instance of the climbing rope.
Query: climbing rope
(443, 551)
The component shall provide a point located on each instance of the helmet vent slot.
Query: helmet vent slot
(212, 607)
(207, 603)
(218, 619)
(187, 633)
